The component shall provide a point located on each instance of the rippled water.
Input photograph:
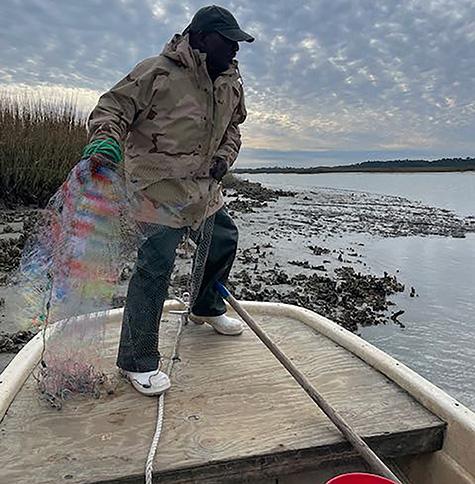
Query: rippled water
(439, 338)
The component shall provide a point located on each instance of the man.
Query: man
(178, 115)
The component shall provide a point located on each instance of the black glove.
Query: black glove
(218, 169)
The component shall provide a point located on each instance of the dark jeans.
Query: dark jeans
(148, 289)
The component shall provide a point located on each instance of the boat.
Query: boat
(234, 413)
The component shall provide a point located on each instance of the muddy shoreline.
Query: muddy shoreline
(283, 255)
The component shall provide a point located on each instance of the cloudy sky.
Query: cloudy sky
(327, 81)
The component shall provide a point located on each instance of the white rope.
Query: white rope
(188, 300)
(156, 439)
(161, 407)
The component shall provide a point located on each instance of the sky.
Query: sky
(326, 81)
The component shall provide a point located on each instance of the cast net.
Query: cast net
(68, 273)
(75, 268)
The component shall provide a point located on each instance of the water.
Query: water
(453, 191)
(439, 338)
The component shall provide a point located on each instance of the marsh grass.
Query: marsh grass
(40, 141)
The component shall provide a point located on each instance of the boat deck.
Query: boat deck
(233, 414)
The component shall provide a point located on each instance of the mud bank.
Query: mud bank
(283, 254)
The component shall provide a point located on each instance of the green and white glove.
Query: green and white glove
(108, 147)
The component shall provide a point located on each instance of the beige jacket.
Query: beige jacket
(173, 121)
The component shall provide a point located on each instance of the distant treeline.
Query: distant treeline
(444, 164)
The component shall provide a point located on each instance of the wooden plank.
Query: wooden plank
(361, 394)
(232, 411)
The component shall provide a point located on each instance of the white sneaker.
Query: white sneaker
(221, 324)
(148, 383)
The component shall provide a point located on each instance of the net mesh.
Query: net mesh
(72, 270)
(69, 270)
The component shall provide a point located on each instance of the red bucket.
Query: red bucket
(359, 478)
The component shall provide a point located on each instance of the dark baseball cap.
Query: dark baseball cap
(218, 19)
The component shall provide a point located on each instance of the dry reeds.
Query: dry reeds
(40, 141)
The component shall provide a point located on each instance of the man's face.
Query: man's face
(219, 51)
